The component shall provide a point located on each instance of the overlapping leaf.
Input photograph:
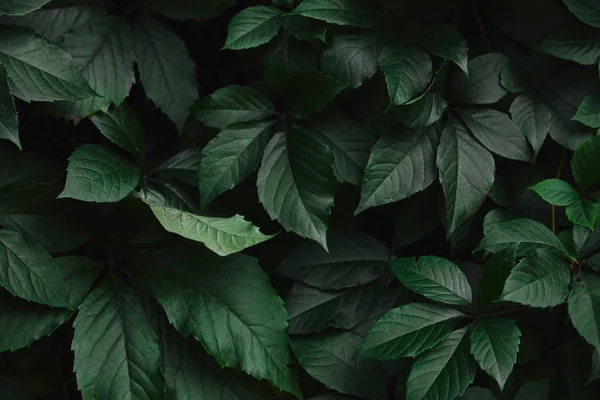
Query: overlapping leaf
(122, 127)
(252, 27)
(584, 308)
(358, 13)
(9, 124)
(482, 85)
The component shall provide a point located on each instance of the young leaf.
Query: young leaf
(497, 133)
(353, 259)
(435, 278)
(536, 390)
(330, 359)
(588, 112)
(556, 192)
(586, 10)
(39, 70)
(424, 112)
(232, 104)
(533, 116)
(445, 41)
(541, 280)
(231, 156)
(308, 92)
(224, 236)
(584, 308)
(582, 212)
(296, 183)
(28, 271)
(122, 127)
(494, 345)
(20, 7)
(496, 271)
(228, 305)
(167, 71)
(401, 164)
(252, 27)
(358, 13)
(466, 173)
(482, 86)
(408, 330)
(9, 124)
(586, 163)
(116, 350)
(582, 47)
(408, 71)
(97, 174)
(443, 372)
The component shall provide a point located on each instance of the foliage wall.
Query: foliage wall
(316, 199)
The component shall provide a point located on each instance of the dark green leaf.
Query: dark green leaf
(482, 86)
(478, 393)
(413, 219)
(308, 92)
(183, 165)
(358, 13)
(584, 308)
(582, 212)
(122, 127)
(586, 163)
(537, 390)
(79, 274)
(586, 10)
(424, 112)
(595, 368)
(287, 56)
(305, 29)
(556, 192)
(445, 41)
(21, 7)
(189, 9)
(253, 27)
(9, 124)
(533, 116)
(588, 112)
(582, 47)
(496, 271)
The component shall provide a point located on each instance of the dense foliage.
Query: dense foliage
(316, 199)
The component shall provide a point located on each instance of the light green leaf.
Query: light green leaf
(122, 127)
(497, 132)
(252, 27)
(308, 92)
(167, 71)
(183, 166)
(224, 236)
(28, 271)
(588, 112)
(116, 350)
(541, 280)
(22, 322)
(445, 41)
(189, 9)
(232, 104)
(585, 163)
(353, 259)
(466, 173)
(496, 271)
(330, 360)
(79, 274)
(408, 330)
(9, 124)
(401, 164)
(494, 345)
(443, 372)
(534, 117)
(296, 183)
(424, 112)
(103, 50)
(584, 308)
(482, 86)
(582, 212)
(97, 174)
(305, 29)
(39, 70)
(579, 46)
(358, 13)
(20, 7)
(556, 192)
(408, 71)
(537, 390)
(586, 10)
(231, 156)
(228, 305)
(351, 58)
(435, 278)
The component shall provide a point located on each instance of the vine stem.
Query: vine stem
(500, 312)
(486, 44)
(558, 173)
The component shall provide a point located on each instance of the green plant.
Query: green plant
(320, 199)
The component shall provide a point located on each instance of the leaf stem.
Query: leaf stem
(486, 44)
(561, 163)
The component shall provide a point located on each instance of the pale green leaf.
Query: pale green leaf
(482, 86)
(424, 112)
(252, 27)
(585, 163)
(358, 13)
(445, 41)
(582, 212)
(584, 308)
(534, 117)
(586, 10)
(556, 192)
(122, 127)
(20, 7)
(9, 124)
(588, 112)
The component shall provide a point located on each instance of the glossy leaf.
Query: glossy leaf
(556, 192)
(9, 124)
(253, 27)
(482, 86)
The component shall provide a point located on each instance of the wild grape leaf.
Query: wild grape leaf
(39, 70)
(466, 173)
(9, 124)
(232, 104)
(482, 85)
(556, 192)
(584, 308)
(79, 274)
(330, 360)
(358, 13)
(183, 166)
(116, 350)
(103, 50)
(189, 9)
(252, 27)
(224, 236)
(588, 112)
(308, 92)
(22, 322)
(536, 390)
(541, 280)
(97, 174)
(408, 330)
(445, 41)
(582, 47)
(424, 112)
(435, 278)
(533, 116)
(228, 305)
(586, 10)
(28, 271)
(231, 156)
(353, 259)
(122, 127)
(585, 163)
(582, 212)
(296, 183)
(20, 7)
(443, 372)
(167, 71)
(305, 29)
(494, 345)
(351, 58)
(497, 132)
(401, 164)
(496, 271)
(408, 71)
